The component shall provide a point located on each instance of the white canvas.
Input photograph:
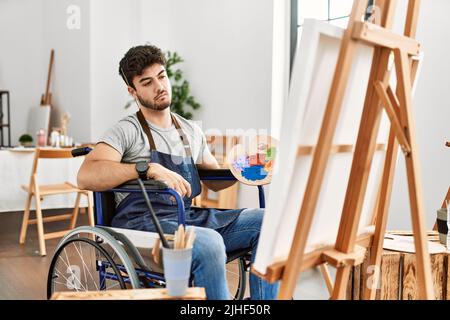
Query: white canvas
(313, 72)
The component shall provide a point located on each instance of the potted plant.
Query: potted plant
(181, 97)
(26, 140)
(182, 101)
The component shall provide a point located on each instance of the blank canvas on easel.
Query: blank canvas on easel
(313, 71)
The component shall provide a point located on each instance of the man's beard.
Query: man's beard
(154, 106)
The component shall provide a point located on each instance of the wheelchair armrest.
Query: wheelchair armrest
(224, 175)
(216, 174)
(150, 184)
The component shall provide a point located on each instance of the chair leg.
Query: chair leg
(76, 208)
(26, 216)
(90, 208)
(227, 198)
(40, 227)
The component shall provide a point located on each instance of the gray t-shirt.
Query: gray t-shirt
(128, 138)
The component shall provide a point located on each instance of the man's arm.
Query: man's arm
(210, 162)
(102, 170)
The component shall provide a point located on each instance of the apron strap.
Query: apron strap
(148, 133)
(146, 129)
(183, 137)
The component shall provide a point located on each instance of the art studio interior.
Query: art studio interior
(224, 150)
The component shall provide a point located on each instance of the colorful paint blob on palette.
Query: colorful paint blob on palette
(257, 166)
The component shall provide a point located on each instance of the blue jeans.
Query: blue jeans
(209, 256)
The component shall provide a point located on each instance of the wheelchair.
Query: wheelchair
(106, 258)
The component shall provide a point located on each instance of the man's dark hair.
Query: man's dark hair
(137, 59)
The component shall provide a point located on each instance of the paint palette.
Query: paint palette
(253, 163)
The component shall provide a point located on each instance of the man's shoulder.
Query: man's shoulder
(129, 122)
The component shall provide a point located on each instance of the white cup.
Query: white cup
(177, 270)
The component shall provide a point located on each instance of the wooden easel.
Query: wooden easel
(46, 98)
(349, 249)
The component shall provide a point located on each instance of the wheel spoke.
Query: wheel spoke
(115, 285)
(84, 270)
(233, 273)
(67, 280)
(68, 265)
(84, 264)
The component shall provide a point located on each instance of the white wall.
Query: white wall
(281, 50)
(115, 27)
(71, 82)
(432, 118)
(227, 46)
(22, 60)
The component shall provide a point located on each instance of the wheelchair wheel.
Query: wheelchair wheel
(237, 278)
(81, 264)
(89, 258)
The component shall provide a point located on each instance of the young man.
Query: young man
(156, 144)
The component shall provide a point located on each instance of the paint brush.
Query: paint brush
(186, 237)
(181, 235)
(176, 240)
(190, 238)
(155, 251)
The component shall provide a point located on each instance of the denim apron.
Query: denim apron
(133, 213)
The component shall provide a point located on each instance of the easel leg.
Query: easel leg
(363, 156)
(341, 282)
(419, 229)
(402, 66)
(359, 175)
(381, 214)
(327, 277)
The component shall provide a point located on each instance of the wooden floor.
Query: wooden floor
(23, 272)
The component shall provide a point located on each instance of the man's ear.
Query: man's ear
(132, 91)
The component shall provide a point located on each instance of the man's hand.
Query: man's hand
(171, 178)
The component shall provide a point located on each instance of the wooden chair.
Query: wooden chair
(226, 198)
(40, 191)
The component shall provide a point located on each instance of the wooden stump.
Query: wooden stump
(398, 280)
(409, 285)
(390, 276)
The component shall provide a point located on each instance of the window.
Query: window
(332, 11)
(335, 12)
